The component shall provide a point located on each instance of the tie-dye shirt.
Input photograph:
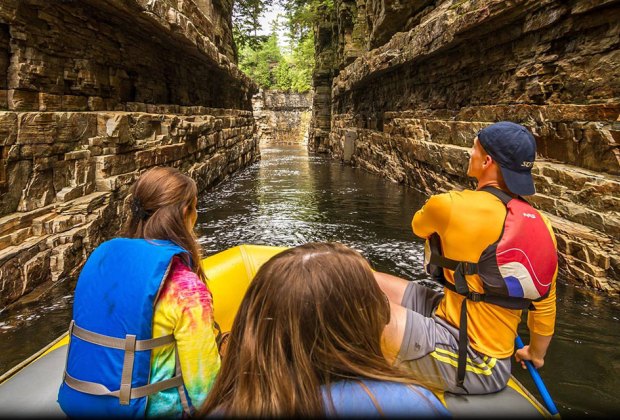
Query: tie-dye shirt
(185, 309)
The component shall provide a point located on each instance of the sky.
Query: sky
(268, 17)
(266, 20)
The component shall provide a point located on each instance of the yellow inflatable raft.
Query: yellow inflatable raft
(229, 274)
(30, 389)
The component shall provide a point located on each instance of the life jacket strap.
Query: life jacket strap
(94, 388)
(503, 196)
(119, 343)
(502, 301)
(130, 345)
(473, 296)
(463, 345)
(130, 354)
(468, 268)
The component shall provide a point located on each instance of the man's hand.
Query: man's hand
(535, 351)
(524, 354)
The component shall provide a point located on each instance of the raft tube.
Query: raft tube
(30, 389)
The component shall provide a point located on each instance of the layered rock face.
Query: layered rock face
(282, 117)
(325, 67)
(410, 108)
(93, 93)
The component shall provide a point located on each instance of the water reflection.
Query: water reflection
(291, 198)
(26, 328)
(582, 368)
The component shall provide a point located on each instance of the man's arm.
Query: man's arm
(393, 287)
(540, 322)
(433, 217)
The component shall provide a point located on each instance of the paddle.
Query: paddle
(538, 381)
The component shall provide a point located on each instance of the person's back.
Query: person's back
(310, 321)
(142, 338)
(467, 223)
(371, 398)
(475, 323)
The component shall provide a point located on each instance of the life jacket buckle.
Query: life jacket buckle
(475, 296)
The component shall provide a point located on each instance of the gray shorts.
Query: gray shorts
(430, 349)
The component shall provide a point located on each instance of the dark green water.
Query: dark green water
(290, 198)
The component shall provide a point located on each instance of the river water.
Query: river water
(290, 198)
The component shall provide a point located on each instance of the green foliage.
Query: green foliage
(259, 63)
(268, 67)
(261, 58)
(246, 15)
(301, 15)
(303, 59)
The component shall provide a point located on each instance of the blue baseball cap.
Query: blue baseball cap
(513, 147)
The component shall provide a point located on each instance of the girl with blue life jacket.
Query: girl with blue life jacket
(143, 341)
(306, 341)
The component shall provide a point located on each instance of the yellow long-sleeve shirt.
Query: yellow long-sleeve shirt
(467, 222)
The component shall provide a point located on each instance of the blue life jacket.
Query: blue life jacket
(372, 398)
(108, 361)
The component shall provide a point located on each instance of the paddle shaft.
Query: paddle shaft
(538, 381)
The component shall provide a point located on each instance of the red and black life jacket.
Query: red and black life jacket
(515, 270)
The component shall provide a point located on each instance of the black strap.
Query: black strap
(460, 282)
(503, 196)
(468, 268)
(473, 296)
(463, 345)
(461, 287)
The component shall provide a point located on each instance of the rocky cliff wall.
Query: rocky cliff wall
(92, 93)
(96, 55)
(410, 109)
(282, 117)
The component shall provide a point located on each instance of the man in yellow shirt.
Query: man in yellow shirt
(423, 333)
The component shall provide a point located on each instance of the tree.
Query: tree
(261, 62)
(246, 22)
(303, 59)
(261, 57)
(301, 15)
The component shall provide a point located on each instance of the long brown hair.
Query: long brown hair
(160, 200)
(313, 315)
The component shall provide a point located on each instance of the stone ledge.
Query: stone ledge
(178, 20)
(106, 54)
(445, 26)
(570, 185)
